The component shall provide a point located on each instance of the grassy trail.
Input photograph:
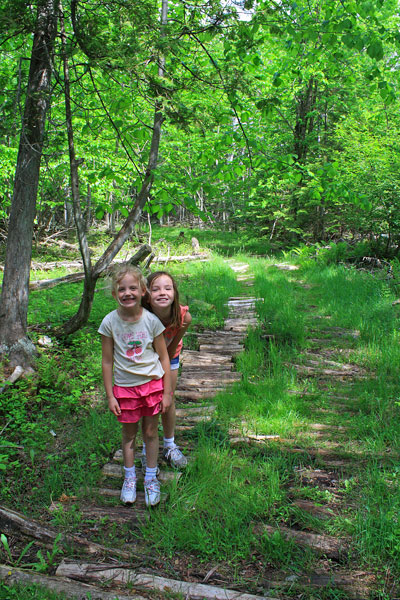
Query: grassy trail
(292, 490)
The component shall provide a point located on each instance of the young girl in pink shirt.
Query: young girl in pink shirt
(163, 300)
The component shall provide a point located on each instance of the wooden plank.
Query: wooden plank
(194, 394)
(71, 589)
(218, 379)
(129, 513)
(115, 470)
(207, 369)
(325, 545)
(16, 523)
(208, 389)
(217, 348)
(213, 332)
(195, 410)
(252, 439)
(308, 506)
(235, 323)
(197, 419)
(196, 358)
(122, 576)
(116, 514)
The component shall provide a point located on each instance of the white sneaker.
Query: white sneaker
(152, 492)
(174, 457)
(128, 492)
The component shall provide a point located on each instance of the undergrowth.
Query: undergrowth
(57, 432)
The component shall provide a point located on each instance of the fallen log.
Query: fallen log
(322, 544)
(50, 283)
(144, 581)
(143, 251)
(166, 259)
(71, 589)
(49, 266)
(14, 522)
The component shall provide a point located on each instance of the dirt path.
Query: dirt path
(325, 461)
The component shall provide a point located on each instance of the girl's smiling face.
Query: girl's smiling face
(162, 293)
(129, 293)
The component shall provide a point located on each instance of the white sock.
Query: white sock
(129, 472)
(169, 442)
(144, 449)
(150, 474)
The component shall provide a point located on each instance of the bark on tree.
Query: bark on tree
(92, 275)
(15, 292)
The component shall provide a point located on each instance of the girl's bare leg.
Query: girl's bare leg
(150, 437)
(169, 418)
(129, 431)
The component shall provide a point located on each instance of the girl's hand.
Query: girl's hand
(114, 406)
(166, 402)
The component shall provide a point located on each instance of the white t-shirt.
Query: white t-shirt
(135, 360)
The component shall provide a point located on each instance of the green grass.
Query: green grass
(213, 513)
(28, 592)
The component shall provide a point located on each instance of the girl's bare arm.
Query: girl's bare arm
(187, 319)
(107, 361)
(161, 349)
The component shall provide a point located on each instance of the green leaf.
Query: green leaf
(375, 50)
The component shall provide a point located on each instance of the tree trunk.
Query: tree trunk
(15, 291)
(73, 162)
(82, 315)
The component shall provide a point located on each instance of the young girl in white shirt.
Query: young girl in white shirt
(136, 374)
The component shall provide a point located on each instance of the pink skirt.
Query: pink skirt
(139, 401)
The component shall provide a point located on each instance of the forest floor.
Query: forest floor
(324, 461)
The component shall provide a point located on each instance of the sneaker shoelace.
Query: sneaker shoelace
(174, 452)
(152, 485)
(130, 482)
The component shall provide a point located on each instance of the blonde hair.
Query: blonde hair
(176, 319)
(127, 269)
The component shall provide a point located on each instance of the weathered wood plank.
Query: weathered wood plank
(322, 544)
(121, 576)
(196, 410)
(217, 380)
(71, 589)
(217, 348)
(194, 394)
(115, 470)
(14, 522)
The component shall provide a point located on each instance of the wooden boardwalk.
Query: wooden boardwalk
(322, 465)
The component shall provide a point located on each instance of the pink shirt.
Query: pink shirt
(170, 332)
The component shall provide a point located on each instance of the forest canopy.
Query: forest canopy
(278, 117)
(281, 116)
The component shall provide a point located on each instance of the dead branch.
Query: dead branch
(71, 589)
(60, 243)
(323, 544)
(145, 581)
(15, 523)
(134, 260)
(76, 277)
